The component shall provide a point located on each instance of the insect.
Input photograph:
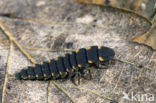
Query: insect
(67, 65)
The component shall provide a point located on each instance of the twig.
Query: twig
(48, 92)
(135, 65)
(60, 87)
(6, 32)
(6, 73)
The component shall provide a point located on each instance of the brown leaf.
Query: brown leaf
(143, 7)
(149, 38)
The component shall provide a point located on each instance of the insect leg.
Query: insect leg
(86, 74)
(76, 75)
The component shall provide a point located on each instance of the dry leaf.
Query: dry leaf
(149, 38)
(143, 7)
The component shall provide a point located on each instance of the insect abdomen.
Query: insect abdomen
(63, 65)
(81, 57)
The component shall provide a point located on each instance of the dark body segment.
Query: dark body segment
(81, 57)
(23, 74)
(53, 68)
(105, 53)
(73, 61)
(31, 73)
(45, 70)
(66, 61)
(60, 66)
(92, 54)
(38, 72)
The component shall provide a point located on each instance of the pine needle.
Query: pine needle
(6, 73)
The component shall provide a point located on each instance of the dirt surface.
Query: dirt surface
(91, 25)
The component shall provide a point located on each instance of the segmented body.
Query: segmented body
(63, 66)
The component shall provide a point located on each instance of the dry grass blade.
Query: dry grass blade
(135, 65)
(48, 92)
(95, 93)
(154, 19)
(60, 87)
(6, 32)
(6, 74)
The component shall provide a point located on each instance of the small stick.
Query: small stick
(136, 65)
(61, 88)
(48, 92)
(6, 74)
